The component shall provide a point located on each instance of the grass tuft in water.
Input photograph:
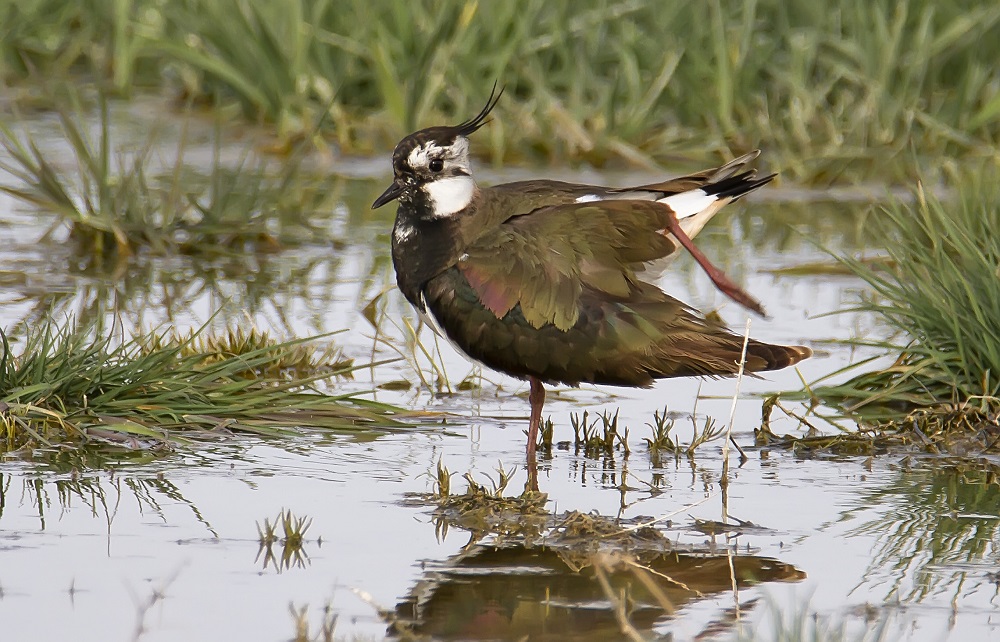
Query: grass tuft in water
(69, 386)
(599, 436)
(545, 436)
(289, 531)
(938, 430)
(442, 481)
(662, 441)
(940, 296)
(484, 509)
(661, 426)
(117, 200)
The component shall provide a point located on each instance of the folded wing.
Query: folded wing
(545, 261)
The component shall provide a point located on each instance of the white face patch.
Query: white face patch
(452, 188)
(450, 194)
(455, 155)
(689, 203)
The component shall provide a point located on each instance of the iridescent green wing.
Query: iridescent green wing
(545, 260)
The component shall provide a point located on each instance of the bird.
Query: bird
(543, 280)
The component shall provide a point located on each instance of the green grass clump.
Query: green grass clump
(69, 386)
(940, 295)
(282, 358)
(838, 90)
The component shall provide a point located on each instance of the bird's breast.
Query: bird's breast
(422, 249)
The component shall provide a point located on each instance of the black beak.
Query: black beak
(391, 194)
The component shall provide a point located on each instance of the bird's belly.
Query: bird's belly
(583, 353)
(431, 321)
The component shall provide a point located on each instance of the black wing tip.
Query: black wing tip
(739, 185)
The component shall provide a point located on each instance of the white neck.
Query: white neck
(450, 195)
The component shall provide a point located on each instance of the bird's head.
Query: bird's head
(432, 166)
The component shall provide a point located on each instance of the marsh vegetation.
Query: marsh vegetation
(845, 91)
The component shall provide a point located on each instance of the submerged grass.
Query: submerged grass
(842, 90)
(939, 293)
(69, 386)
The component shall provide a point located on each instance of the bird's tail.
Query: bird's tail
(766, 356)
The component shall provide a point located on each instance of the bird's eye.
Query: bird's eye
(436, 165)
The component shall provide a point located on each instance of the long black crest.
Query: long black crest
(480, 119)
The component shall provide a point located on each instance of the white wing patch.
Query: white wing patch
(689, 203)
(588, 198)
(450, 194)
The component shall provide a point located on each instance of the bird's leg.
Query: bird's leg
(721, 281)
(536, 397)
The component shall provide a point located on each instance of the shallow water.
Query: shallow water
(160, 547)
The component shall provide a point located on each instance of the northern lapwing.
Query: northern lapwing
(542, 279)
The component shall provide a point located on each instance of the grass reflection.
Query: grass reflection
(937, 533)
(67, 484)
